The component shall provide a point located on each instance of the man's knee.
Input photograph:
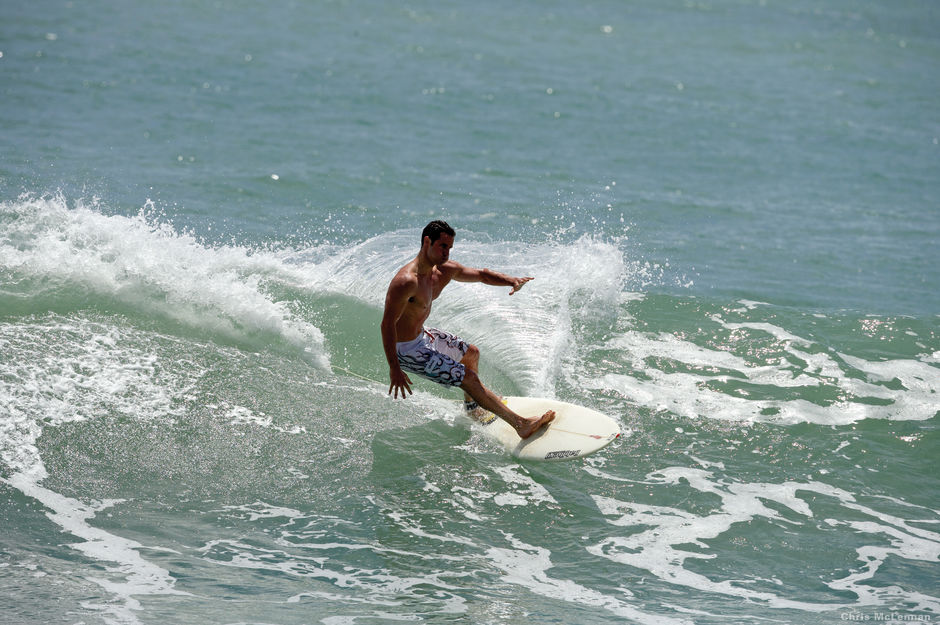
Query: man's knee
(472, 357)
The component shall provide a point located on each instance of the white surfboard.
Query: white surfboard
(575, 432)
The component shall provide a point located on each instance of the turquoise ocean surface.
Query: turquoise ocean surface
(731, 209)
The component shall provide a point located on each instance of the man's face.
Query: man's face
(439, 251)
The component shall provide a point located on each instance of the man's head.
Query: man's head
(436, 240)
(435, 229)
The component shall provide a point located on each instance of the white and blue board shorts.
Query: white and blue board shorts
(434, 355)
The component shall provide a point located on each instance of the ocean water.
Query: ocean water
(731, 209)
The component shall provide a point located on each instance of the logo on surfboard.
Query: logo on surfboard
(565, 453)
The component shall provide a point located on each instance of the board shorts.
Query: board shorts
(434, 355)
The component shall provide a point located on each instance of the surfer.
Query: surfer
(433, 354)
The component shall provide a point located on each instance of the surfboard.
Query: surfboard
(575, 432)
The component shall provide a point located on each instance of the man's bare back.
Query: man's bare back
(408, 305)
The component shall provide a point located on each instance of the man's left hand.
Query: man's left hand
(517, 283)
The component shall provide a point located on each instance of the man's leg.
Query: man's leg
(471, 361)
(525, 428)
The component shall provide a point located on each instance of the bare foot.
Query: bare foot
(474, 410)
(477, 413)
(532, 426)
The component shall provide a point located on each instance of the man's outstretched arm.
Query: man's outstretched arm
(488, 276)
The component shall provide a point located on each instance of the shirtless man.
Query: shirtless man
(434, 354)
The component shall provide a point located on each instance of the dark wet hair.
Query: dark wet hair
(435, 229)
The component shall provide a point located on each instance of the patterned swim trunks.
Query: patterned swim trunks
(434, 355)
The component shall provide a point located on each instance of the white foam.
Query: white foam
(687, 394)
(328, 562)
(62, 370)
(524, 491)
(242, 415)
(527, 566)
(529, 333)
(777, 332)
(133, 576)
(907, 541)
(148, 265)
(262, 510)
(657, 546)
(525, 335)
(407, 525)
(360, 270)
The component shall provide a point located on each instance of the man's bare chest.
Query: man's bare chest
(429, 287)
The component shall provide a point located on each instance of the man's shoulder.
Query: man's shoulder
(451, 268)
(455, 271)
(405, 279)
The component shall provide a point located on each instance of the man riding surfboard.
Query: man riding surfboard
(434, 354)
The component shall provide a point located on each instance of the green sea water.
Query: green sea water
(730, 210)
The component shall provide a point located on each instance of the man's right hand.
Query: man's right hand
(400, 383)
